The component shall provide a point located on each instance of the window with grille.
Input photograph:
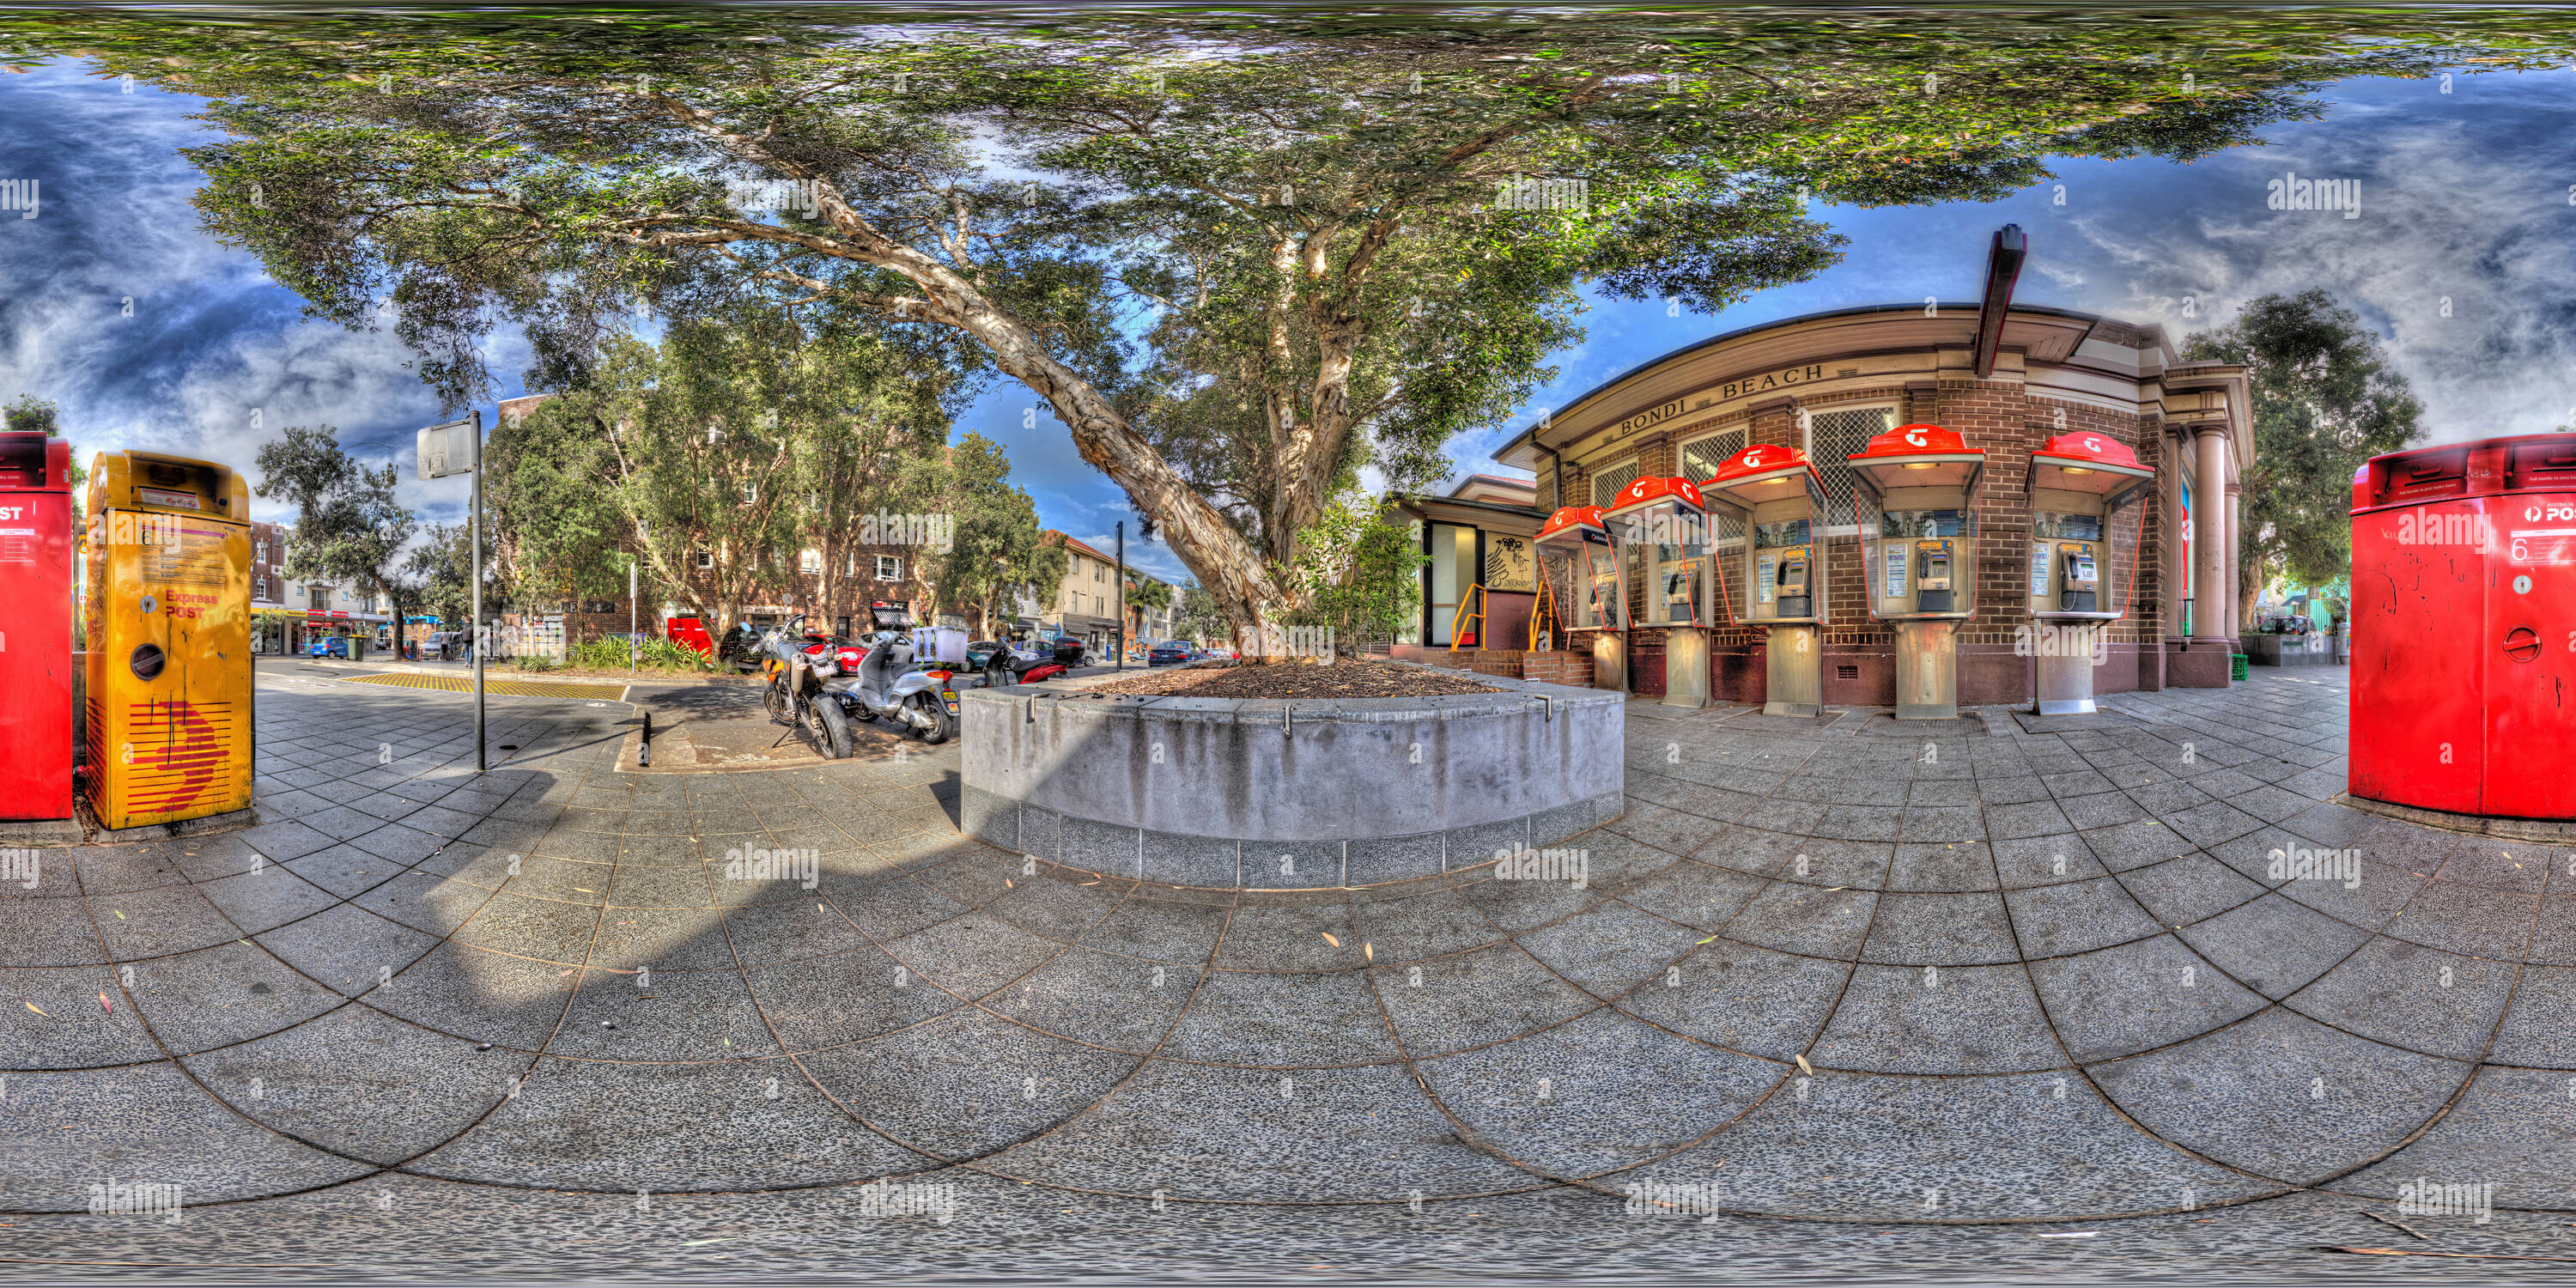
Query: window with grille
(810, 562)
(889, 568)
(1607, 482)
(1702, 456)
(1832, 438)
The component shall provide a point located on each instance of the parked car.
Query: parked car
(1067, 649)
(1168, 653)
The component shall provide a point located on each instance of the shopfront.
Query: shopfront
(1999, 384)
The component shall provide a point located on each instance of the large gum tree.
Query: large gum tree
(1237, 259)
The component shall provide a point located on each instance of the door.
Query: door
(2529, 650)
(2418, 734)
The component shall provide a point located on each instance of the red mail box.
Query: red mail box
(35, 627)
(2464, 628)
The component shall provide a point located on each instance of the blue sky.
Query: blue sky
(2463, 259)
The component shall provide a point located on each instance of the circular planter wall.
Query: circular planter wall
(1295, 794)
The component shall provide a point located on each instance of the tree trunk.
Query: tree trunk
(1209, 546)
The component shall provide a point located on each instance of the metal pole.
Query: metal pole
(634, 631)
(1122, 595)
(482, 637)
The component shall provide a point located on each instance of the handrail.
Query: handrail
(1543, 606)
(1475, 594)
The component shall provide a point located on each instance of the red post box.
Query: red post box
(2464, 628)
(35, 627)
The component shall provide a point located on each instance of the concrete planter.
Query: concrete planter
(1269, 794)
(2287, 650)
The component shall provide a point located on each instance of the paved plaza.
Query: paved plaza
(2132, 966)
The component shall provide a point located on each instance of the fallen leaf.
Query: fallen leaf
(614, 971)
(37, 1009)
(561, 973)
(1831, 889)
(1806, 1068)
(625, 923)
(1328, 938)
(119, 915)
(1368, 950)
(1704, 941)
(1006, 884)
(103, 1003)
(585, 889)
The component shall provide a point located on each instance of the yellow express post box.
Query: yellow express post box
(169, 668)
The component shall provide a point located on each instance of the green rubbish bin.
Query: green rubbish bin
(2236, 666)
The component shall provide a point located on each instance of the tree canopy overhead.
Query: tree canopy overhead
(1238, 255)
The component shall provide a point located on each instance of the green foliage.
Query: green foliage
(441, 570)
(995, 545)
(1360, 567)
(609, 653)
(27, 414)
(1197, 617)
(1263, 257)
(348, 526)
(2325, 401)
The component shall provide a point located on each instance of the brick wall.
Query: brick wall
(1993, 414)
(1558, 666)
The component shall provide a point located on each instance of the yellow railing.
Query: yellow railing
(1476, 596)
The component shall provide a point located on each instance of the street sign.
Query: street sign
(452, 448)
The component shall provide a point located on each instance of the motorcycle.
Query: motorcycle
(795, 695)
(885, 685)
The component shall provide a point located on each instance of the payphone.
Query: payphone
(1919, 555)
(1662, 526)
(1781, 569)
(2078, 484)
(1581, 564)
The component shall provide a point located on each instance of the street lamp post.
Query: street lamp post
(456, 447)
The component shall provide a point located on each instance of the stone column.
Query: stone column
(2209, 535)
(2235, 569)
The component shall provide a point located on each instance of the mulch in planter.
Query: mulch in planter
(1343, 679)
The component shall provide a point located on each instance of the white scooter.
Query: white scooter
(885, 685)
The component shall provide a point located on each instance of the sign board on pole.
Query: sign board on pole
(451, 448)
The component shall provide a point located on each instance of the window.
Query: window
(320, 597)
(750, 494)
(810, 562)
(705, 558)
(854, 563)
(1453, 571)
(259, 552)
(889, 568)
(1701, 456)
(1607, 482)
(1832, 437)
